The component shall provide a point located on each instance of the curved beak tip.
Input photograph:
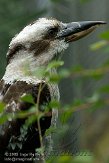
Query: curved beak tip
(101, 23)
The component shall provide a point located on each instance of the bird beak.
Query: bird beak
(76, 30)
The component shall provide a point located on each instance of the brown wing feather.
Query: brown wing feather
(10, 131)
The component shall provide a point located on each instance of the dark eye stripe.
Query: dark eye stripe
(13, 50)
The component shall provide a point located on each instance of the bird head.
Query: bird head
(41, 42)
(44, 38)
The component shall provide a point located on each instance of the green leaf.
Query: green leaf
(26, 113)
(104, 89)
(63, 73)
(94, 98)
(39, 72)
(3, 119)
(6, 117)
(54, 104)
(51, 130)
(19, 145)
(54, 64)
(2, 106)
(65, 159)
(83, 159)
(55, 78)
(13, 146)
(65, 116)
(22, 114)
(105, 35)
(40, 150)
(31, 120)
(28, 98)
(98, 45)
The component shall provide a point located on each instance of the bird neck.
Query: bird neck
(23, 67)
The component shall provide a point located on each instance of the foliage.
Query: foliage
(97, 100)
(94, 102)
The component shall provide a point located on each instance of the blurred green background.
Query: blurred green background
(85, 128)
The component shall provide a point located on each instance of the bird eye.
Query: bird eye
(53, 31)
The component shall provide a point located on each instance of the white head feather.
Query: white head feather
(29, 34)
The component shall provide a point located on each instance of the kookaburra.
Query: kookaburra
(36, 45)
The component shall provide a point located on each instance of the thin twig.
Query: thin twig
(38, 123)
(90, 72)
